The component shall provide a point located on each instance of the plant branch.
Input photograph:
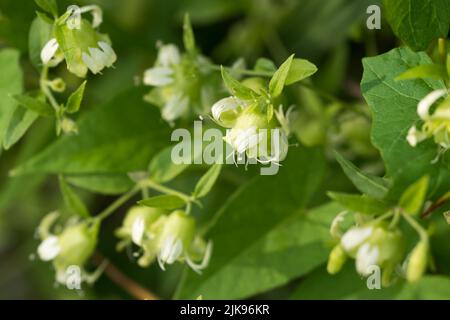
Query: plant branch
(119, 202)
(123, 281)
(434, 207)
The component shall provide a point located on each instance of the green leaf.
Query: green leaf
(418, 22)
(40, 33)
(206, 182)
(188, 35)
(236, 88)
(300, 69)
(265, 246)
(107, 184)
(21, 121)
(114, 138)
(74, 101)
(413, 198)
(394, 112)
(36, 105)
(168, 202)
(432, 71)
(359, 203)
(49, 6)
(278, 80)
(347, 284)
(162, 169)
(370, 185)
(10, 84)
(72, 200)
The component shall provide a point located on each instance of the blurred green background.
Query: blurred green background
(331, 33)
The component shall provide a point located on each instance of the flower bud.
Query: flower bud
(417, 261)
(57, 85)
(68, 126)
(77, 243)
(137, 222)
(336, 259)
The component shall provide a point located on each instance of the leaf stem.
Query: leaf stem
(415, 225)
(163, 189)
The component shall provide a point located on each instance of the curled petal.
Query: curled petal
(97, 14)
(425, 104)
(415, 136)
(198, 267)
(49, 50)
(49, 248)
(158, 76)
(226, 110)
(92, 61)
(171, 250)
(354, 237)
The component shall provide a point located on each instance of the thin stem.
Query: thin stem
(129, 285)
(416, 226)
(435, 206)
(119, 202)
(47, 92)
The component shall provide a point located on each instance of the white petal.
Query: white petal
(169, 55)
(175, 107)
(158, 76)
(137, 230)
(367, 256)
(97, 14)
(425, 104)
(92, 63)
(354, 237)
(171, 250)
(49, 248)
(49, 50)
(223, 105)
(109, 55)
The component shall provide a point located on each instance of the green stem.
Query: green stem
(442, 48)
(47, 92)
(416, 226)
(119, 202)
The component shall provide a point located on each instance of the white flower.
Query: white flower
(366, 256)
(49, 248)
(99, 58)
(425, 104)
(336, 224)
(169, 55)
(158, 76)
(175, 107)
(48, 51)
(354, 237)
(137, 230)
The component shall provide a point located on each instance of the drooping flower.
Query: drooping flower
(79, 43)
(374, 245)
(165, 238)
(436, 123)
(71, 247)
